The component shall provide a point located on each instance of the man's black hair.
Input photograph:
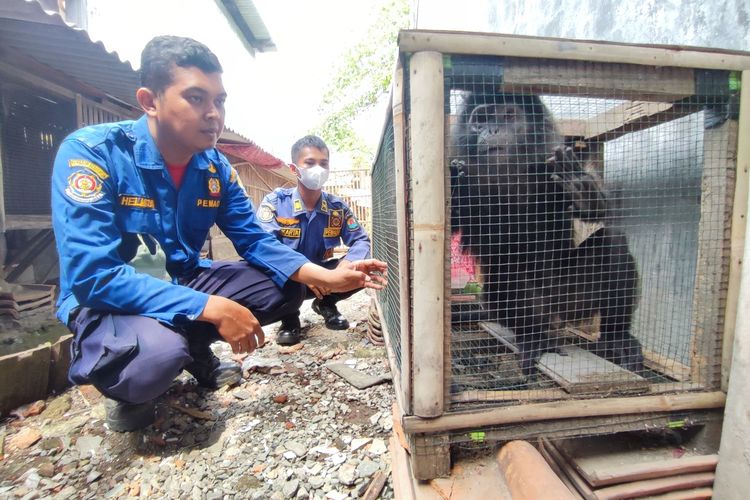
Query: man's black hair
(309, 141)
(162, 52)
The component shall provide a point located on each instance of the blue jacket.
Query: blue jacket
(110, 184)
(315, 235)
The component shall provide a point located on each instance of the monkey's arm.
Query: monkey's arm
(587, 201)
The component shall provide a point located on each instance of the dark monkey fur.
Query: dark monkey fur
(515, 193)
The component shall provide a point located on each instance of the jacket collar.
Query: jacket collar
(146, 153)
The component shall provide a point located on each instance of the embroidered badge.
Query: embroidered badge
(93, 167)
(214, 187)
(84, 187)
(265, 213)
(335, 219)
(203, 203)
(287, 221)
(352, 223)
(297, 205)
(331, 232)
(211, 168)
(290, 232)
(324, 206)
(131, 200)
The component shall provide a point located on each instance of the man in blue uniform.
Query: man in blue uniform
(160, 180)
(313, 223)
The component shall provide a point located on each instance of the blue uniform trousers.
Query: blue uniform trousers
(135, 358)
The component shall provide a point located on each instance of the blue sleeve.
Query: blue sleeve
(87, 236)
(238, 221)
(355, 237)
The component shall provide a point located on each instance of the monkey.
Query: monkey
(515, 191)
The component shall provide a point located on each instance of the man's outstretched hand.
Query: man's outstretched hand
(366, 273)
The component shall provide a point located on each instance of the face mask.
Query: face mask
(313, 177)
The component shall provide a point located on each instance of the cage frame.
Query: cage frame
(422, 385)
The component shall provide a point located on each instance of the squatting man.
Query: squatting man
(159, 179)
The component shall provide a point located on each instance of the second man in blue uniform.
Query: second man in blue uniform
(314, 223)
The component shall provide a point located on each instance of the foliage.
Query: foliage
(361, 79)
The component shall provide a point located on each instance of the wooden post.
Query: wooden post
(430, 455)
(426, 136)
(739, 233)
(402, 228)
(733, 471)
(711, 273)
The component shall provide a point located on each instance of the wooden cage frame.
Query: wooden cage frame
(423, 383)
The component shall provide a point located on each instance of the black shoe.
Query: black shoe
(126, 417)
(289, 331)
(334, 319)
(209, 371)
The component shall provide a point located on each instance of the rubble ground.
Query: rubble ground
(291, 429)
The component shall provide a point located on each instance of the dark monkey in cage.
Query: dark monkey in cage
(515, 194)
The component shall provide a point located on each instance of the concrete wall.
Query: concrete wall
(708, 23)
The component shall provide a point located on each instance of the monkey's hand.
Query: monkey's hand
(587, 201)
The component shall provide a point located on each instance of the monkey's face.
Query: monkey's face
(501, 131)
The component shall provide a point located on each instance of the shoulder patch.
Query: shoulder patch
(265, 213)
(351, 223)
(214, 187)
(84, 187)
(88, 165)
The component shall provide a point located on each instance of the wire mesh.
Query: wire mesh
(589, 228)
(385, 238)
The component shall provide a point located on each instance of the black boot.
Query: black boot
(289, 331)
(128, 417)
(208, 370)
(334, 319)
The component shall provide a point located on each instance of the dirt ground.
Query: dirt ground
(291, 429)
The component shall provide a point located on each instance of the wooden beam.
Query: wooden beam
(665, 365)
(493, 44)
(557, 410)
(632, 117)
(596, 79)
(427, 135)
(593, 426)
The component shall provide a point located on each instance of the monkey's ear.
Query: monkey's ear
(147, 99)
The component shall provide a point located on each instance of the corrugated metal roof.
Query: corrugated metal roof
(248, 24)
(27, 29)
